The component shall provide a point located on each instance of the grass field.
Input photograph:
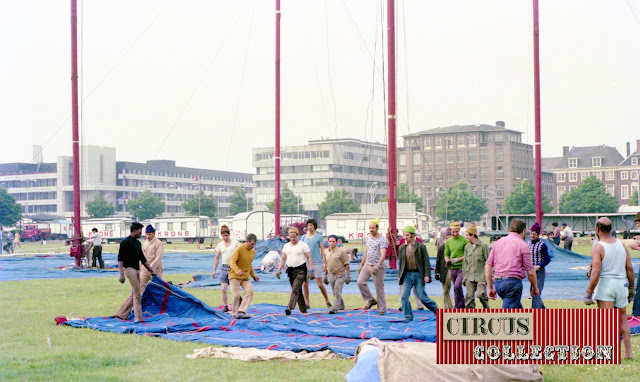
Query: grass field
(32, 347)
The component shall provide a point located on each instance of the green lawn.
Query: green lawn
(32, 347)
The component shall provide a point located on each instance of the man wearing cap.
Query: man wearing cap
(511, 258)
(414, 270)
(297, 255)
(555, 235)
(336, 265)
(475, 256)
(540, 258)
(636, 300)
(130, 256)
(442, 270)
(239, 271)
(567, 234)
(611, 280)
(372, 266)
(454, 255)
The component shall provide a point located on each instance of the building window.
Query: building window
(460, 156)
(471, 139)
(499, 208)
(634, 175)
(500, 190)
(427, 176)
(427, 158)
(462, 174)
(439, 157)
(484, 172)
(560, 177)
(449, 156)
(438, 141)
(473, 174)
(451, 175)
(499, 172)
(484, 191)
(416, 159)
(634, 161)
(573, 162)
(402, 159)
(416, 176)
(484, 155)
(427, 143)
(596, 162)
(499, 137)
(427, 191)
(448, 142)
(597, 174)
(439, 175)
(608, 175)
(499, 153)
(573, 177)
(624, 191)
(584, 175)
(611, 189)
(402, 177)
(561, 190)
(460, 140)
(624, 175)
(473, 156)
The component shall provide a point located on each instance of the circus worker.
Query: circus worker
(239, 271)
(296, 254)
(336, 262)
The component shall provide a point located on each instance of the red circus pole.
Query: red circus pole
(76, 247)
(536, 87)
(277, 148)
(391, 141)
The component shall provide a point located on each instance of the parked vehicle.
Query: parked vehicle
(185, 228)
(34, 232)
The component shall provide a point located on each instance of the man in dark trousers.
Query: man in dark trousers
(442, 270)
(414, 270)
(129, 258)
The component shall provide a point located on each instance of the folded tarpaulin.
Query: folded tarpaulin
(172, 313)
(250, 354)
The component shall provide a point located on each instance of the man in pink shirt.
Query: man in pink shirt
(511, 258)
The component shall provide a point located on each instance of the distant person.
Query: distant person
(636, 300)
(314, 240)
(567, 235)
(130, 256)
(239, 272)
(224, 250)
(463, 230)
(555, 235)
(442, 271)
(611, 281)
(511, 258)
(372, 266)
(454, 255)
(296, 254)
(475, 257)
(540, 259)
(414, 271)
(270, 261)
(337, 266)
(96, 243)
(1, 237)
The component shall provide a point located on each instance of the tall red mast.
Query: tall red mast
(76, 248)
(536, 87)
(391, 141)
(277, 148)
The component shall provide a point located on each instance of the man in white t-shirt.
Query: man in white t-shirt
(96, 243)
(567, 234)
(224, 250)
(270, 261)
(296, 254)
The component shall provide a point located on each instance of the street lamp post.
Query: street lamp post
(522, 184)
(372, 199)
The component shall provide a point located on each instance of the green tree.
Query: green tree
(288, 202)
(10, 210)
(238, 202)
(99, 208)
(590, 197)
(337, 201)
(634, 198)
(522, 200)
(145, 206)
(407, 196)
(458, 203)
(201, 204)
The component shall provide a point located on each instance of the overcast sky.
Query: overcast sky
(193, 81)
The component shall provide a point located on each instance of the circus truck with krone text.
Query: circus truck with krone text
(112, 230)
(355, 226)
(185, 228)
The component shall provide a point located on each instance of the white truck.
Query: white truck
(355, 226)
(185, 228)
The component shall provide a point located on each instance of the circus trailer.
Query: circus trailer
(177, 229)
(260, 223)
(61, 229)
(112, 230)
(355, 226)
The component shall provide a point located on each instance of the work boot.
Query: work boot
(370, 304)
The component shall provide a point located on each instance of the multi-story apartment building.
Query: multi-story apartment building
(618, 174)
(47, 188)
(312, 170)
(491, 159)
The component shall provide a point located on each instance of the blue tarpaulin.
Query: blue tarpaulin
(172, 313)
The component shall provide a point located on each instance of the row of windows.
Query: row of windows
(34, 209)
(52, 195)
(51, 182)
(608, 175)
(182, 175)
(610, 188)
(294, 155)
(459, 140)
(484, 191)
(462, 156)
(306, 169)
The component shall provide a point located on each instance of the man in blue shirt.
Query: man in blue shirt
(314, 240)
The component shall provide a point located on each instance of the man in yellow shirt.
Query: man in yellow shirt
(239, 272)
